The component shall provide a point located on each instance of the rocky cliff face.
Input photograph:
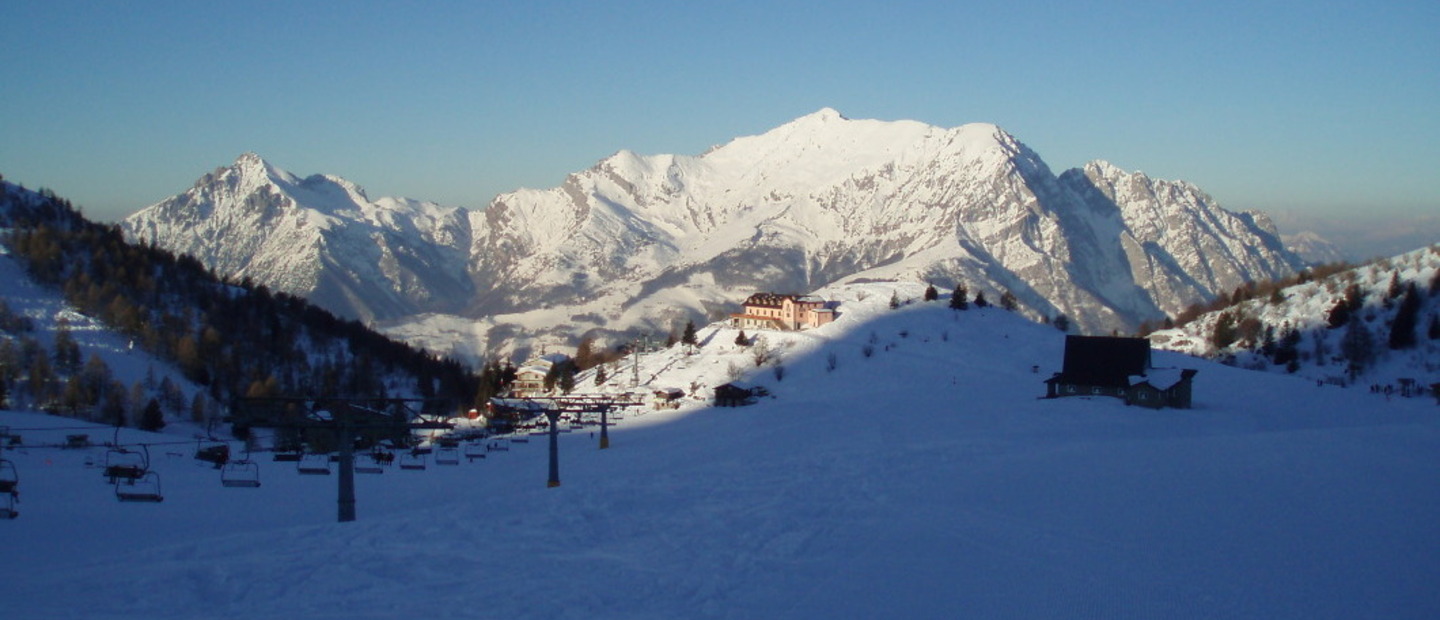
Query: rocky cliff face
(637, 242)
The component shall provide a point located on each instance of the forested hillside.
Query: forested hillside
(227, 339)
(1375, 324)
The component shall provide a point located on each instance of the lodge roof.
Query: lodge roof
(775, 300)
(1104, 360)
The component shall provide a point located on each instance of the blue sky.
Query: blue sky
(1324, 108)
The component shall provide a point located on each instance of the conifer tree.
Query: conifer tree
(1407, 317)
(894, 300)
(152, 419)
(931, 294)
(980, 300)
(1339, 315)
(585, 353)
(741, 340)
(1358, 344)
(689, 337)
(567, 379)
(1224, 333)
(67, 351)
(1008, 301)
(1435, 326)
(958, 299)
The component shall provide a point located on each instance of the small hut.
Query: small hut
(1119, 367)
(732, 395)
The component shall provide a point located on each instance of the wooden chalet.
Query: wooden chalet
(667, 398)
(1119, 367)
(784, 312)
(732, 395)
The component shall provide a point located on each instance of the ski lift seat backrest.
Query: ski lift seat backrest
(9, 477)
(243, 474)
(143, 489)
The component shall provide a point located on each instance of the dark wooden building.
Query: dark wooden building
(1118, 367)
(732, 395)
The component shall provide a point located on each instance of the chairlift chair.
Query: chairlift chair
(413, 460)
(217, 454)
(313, 464)
(375, 462)
(9, 478)
(447, 455)
(124, 464)
(240, 474)
(288, 456)
(474, 450)
(7, 506)
(143, 489)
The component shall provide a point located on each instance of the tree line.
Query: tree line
(231, 339)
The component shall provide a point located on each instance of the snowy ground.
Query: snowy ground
(927, 480)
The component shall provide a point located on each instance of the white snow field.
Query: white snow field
(925, 481)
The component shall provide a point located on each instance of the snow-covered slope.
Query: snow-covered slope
(925, 480)
(640, 242)
(1337, 353)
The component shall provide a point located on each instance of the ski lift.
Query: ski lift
(447, 455)
(143, 489)
(217, 454)
(124, 464)
(288, 452)
(413, 460)
(313, 464)
(9, 478)
(474, 450)
(240, 474)
(375, 462)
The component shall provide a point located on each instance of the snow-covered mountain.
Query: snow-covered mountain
(319, 237)
(641, 242)
(1313, 248)
(1299, 330)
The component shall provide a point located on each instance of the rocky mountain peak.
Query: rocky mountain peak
(638, 242)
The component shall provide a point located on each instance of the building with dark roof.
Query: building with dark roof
(783, 312)
(1119, 367)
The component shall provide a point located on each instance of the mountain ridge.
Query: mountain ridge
(636, 242)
